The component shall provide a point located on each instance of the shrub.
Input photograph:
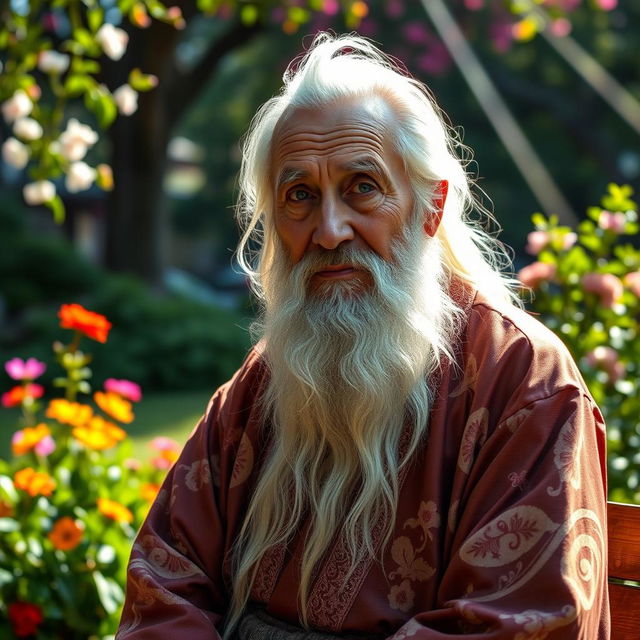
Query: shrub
(72, 497)
(587, 289)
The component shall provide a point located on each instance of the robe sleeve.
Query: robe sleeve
(174, 579)
(527, 558)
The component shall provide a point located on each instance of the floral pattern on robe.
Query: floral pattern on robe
(500, 529)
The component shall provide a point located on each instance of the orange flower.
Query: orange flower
(149, 491)
(117, 407)
(72, 413)
(26, 439)
(17, 395)
(66, 534)
(114, 510)
(34, 482)
(6, 510)
(93, 325)
(99, 434)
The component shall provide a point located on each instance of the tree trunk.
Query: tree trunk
(137, 225)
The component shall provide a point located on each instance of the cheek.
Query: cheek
(294, 237)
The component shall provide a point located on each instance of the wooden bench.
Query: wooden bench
(624, 564)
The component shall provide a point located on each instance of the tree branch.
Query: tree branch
(184, 87)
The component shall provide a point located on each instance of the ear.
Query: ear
(432, 220)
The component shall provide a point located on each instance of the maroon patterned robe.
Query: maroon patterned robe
(501, 524)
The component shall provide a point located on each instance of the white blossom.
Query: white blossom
(39, 192)
(126, 99)
(27, 129)
(17, 106)
(112, 40)
(80, 176)
(53, 62)
(15, 153)
(76, 139)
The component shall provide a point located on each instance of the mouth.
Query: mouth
(337, 272)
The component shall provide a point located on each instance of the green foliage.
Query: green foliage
(164, 341)
(588, 291)
(71, 500)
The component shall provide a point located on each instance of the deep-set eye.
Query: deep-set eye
(298, 194)
(364, 187)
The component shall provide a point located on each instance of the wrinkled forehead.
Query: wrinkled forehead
(360, 126)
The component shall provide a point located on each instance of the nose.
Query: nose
(334, 224)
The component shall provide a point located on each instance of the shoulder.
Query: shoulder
(516, 358)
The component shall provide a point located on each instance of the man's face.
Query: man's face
(338, 182)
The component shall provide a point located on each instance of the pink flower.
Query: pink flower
(331, 7)
(612, 221)
(534, 274)
(632, 281)
(162, 443)
(125, 388)
(560, 27)
(536, 242)
(605, 285)
(45, 447)
(474, 5)
(569, 239)
(607, 5)
(132, 464)
(30, 369)
(606, 358)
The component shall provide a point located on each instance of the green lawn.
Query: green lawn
(163, 414)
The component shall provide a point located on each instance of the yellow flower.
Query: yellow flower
(66, 534)
(99, 434)
(34, 482)
(114, 510)
(26, 439)
(72, 413)
(116, 406)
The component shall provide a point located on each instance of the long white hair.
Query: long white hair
(348, 373)
(337, 68)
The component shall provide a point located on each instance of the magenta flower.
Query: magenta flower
(20, 369)
(125, 388)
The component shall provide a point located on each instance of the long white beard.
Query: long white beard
(349, 368)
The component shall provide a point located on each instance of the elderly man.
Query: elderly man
(405, 453)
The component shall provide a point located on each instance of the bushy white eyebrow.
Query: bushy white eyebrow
(359, 165)
(290, 175)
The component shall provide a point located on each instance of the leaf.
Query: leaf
(249, 15)
(57, 208)
(141, 81)
(84, 65)
(402, 551)
(109, 591)
(95, 18)
(8, 524)
(84, 38)
(420, 570)
(539, 221)
(7, 488)
(76, 85)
